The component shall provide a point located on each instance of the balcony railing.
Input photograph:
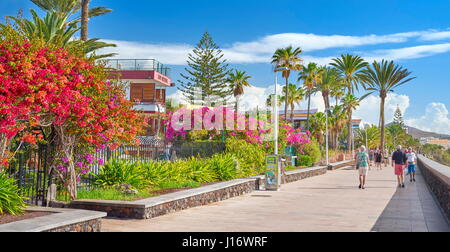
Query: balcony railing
(138, 64)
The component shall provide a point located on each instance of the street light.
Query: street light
(365, 129)
(276, 107)
(326, 135)
(276, 121)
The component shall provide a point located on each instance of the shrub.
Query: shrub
(225, 166)
(313, 150)
(10, 200)
(305, 160)
(251, 157)
(200, 171)
(119, 172)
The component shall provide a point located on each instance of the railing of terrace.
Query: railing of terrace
(138, 64)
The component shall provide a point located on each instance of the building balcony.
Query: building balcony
(138, 65)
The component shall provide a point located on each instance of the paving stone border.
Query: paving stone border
(437, 177)
(160, 205)
(61, 220)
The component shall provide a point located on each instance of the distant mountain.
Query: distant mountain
(417, 133)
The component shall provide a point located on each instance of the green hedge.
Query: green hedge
(304, 160)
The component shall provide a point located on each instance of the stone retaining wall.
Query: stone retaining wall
(292, 176)
(157, 206)
(340, 165)
(87, 226)
(437, 177)
(60, 220)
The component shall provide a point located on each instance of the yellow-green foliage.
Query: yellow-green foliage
(313, 150)
(251, 157)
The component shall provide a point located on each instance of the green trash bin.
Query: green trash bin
(291, 152)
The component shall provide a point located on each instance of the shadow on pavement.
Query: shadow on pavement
(412, 209)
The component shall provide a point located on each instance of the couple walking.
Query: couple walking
(402, 160)
(399, 160)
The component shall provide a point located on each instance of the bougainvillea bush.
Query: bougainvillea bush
(64, 98)
(201, 124)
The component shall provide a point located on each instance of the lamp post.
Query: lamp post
(276, 126)
(367, 141)
(326, 135)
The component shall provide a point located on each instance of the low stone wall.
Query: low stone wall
(296, 175)
(339, 165)
(60, 220)
(157, 206)
(86, 226)
(437, 177)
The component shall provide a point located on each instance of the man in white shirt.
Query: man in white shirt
(412, 160)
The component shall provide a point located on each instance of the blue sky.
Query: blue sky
(414, 33)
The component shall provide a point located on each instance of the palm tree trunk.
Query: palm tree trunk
(326, 100)
(84, 19)
(292, 114)
(350, 131)
(309, 107)
(383, 97)
(286, 99)
(237, 103)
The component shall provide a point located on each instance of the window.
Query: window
(142, 92)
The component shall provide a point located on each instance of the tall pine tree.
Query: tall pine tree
(205, 78)
(398, 117)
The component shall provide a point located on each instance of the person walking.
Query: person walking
(412, 161)
(398, 162)
(371, 157)
(362, 163)
(378, 159)
(386, 157)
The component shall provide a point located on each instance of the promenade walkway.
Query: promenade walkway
(330, 202)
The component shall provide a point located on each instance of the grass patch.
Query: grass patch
(110, 194)
(175, 184)
(290, 167)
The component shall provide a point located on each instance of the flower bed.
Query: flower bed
(8, 218)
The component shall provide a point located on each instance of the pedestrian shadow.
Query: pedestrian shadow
(412, 209)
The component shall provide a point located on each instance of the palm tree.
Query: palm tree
(271, 99)
(318, 122)
(69, 8)
(294, 98)
(383, 78)
(350, 68)
(57, 30)
(350, 103)
(337, 122)
(288, 58)
(238, 80)
(369, 135)
(84, 19)
(330, 82)
(311, 76)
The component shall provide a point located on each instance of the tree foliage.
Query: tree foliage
(48, 93)
(205, 80)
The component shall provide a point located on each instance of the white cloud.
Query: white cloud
(408, 52)
(313, 42)
(171, 54)
(261, 50)
(436, 35)
(436, 119)
(369, 109)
